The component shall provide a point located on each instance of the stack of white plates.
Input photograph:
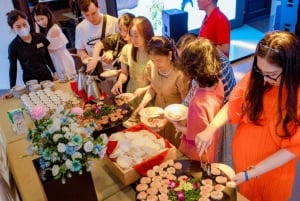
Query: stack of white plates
(18, 91)
(47, 84)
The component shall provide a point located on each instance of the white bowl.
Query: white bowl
(151, 112)
(176, 112)
(109, 73)
(225, 168)
(88, 59)
(152, 122)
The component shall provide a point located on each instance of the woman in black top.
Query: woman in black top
(31, 51)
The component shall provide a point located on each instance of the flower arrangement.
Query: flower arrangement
(64, 146)
(184, 189)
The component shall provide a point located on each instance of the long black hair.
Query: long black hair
(281, 49)
(40, 9)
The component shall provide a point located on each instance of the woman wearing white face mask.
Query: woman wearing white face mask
(31, 51)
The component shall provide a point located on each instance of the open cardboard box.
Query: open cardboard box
(132, 174)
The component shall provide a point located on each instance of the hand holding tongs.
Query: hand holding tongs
(206, 166)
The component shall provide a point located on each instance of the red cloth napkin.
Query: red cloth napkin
(82, 94)
(143, 167)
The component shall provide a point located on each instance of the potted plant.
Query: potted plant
(65, 147)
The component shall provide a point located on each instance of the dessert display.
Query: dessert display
(133, 148)
(176, 112)
(175, 180)
(104, 114)
(48, 98)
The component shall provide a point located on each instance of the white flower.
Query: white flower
(68, 163)
(73, 126)
(55, 126)
(88, 146)
(55, 170)
(56, 137)
(59, 109)
(69, 135)
(54, 157)
(76, 155)
(65, 129)
(61, 147)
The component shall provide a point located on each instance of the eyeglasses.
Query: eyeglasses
(257, 70)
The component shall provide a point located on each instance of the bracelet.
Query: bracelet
(246, 175)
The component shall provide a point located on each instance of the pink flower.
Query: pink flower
(77, 110)
(38, 112)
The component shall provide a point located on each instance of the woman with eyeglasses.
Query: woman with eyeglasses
(168, 84)
(265, 105)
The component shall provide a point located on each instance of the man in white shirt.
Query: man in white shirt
(91, 29)
(94, 27)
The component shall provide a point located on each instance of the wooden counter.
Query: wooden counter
(107, 186)
(13, 103)
(30, 188)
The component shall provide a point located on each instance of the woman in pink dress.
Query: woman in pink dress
(200, 60)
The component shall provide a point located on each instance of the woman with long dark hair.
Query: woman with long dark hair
(265, 106)
(47, 25)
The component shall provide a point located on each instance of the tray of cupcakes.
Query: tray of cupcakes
(106, 114)
(186, 180)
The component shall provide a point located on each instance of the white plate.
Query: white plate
(127, 96)
(109, 73)
(151, 112)
(88, 59)
(152, 122)
(225, 168)
(176, 112)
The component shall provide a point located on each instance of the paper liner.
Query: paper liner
(143, 167)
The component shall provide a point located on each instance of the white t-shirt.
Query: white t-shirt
(88, 34)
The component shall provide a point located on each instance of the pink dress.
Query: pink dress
(203, 107)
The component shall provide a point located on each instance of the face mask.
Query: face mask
(24, 32)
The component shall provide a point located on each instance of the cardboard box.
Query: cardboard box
(131, 175)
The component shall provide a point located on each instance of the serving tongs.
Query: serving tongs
(206, 166)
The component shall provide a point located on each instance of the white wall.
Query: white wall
(6, 37)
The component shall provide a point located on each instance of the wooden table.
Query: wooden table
(30, 188)
(107, 186)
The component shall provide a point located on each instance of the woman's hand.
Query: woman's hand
(108, 57)
(203, 140)
(239, 178)
(180, 126)
(55, 76)
(117, 88)
(91, 65)
(7, 95)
